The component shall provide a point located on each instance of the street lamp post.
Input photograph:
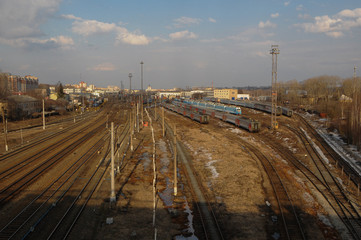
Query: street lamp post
(141, 92)
(130, 82)
(141, 75)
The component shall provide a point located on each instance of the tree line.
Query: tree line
(339, 100)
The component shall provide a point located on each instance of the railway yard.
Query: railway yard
(236, 178)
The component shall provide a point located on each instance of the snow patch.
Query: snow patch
(324, 219)
(212, 168)
(324, 158)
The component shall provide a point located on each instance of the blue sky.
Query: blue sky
(182, 43)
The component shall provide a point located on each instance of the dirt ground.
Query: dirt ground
(236, 185)
(239, 185)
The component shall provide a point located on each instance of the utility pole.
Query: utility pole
(5, 130)
(43, 114)
(175, 160)
(141, 92)
(137, 117)
(163, 121)
(130, 82)
(112, 191)
(356, 112)
(131, 129)
(141, 75)
(274, 51)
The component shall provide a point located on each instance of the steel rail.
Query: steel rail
(208, 219)
(354, 176)
(30, 159)
(29, 211)
(39, 139)
(309, 174)
(11, 189)
(291, 222)
(346, 209)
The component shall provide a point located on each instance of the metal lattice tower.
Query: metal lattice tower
(274, 51)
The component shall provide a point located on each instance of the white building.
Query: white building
(243, 96)
(168, 94)
(68, 90)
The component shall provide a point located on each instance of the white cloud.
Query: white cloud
(275, 15)
(267, 24)
(287, 3)
(334, 34)
(299, 7)
(182, 35)
(212, 20)
(186, 21)
(86, 28)
(59, 42)
(347, 13)
(103, 67)
(336, 25)
(131, 38)
(62, 42)
(90, 27)
(71, 17)
(21, 20)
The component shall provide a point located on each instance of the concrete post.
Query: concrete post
(163, 121)
(131, 131)
(21, 136)
(112, 194)
(175, 160)
(137, 117)
(5, 132)
(43, 114)
(141, 110)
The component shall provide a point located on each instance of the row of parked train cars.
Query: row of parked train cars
(223, 113)
(255, 105)
(199, 117)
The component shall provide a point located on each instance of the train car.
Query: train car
(246, 123)
(204, 119)
(287, 112)
(215, 106)
(267, 108)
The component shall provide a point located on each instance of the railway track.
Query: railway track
(24, 179)
(290, 224)
(40, 206)
(322, 177)
(209, 222)
(15, 166)
(59, 206)
(43, 136)
(354, 175)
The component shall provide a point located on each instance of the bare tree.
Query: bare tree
(4, 91)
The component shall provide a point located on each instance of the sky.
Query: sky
(182, 43)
